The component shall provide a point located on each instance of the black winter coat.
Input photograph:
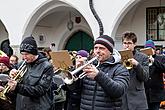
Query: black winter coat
(33, 90)
(106, 90)
(154, 86)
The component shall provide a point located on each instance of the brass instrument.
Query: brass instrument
(21, 71)
(126, 55)
(69, 77)
(149, 52)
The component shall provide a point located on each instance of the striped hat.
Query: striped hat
(107, 41)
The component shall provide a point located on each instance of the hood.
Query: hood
(116, 57)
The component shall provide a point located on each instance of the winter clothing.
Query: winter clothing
(154, 86)
(106, 90)
(6, 105)
(5, 60)
(29, 45)
(135, 98)
(83, 53)
(149, 43)
(107, 41)
(33, 92)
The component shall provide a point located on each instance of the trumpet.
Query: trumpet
(69, 77)
(127, 63)
(21, 71)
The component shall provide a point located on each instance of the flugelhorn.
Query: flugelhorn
(126, 55)
(21, 71)
(69, 77)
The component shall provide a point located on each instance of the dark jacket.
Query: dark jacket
(73, 96)
(33, 90)
(154, 86)
(106, 90)
(135, 98)
(9, 103)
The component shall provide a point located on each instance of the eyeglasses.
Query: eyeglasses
(127, 43)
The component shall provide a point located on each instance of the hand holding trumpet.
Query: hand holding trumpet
(133, 61)
(91, 71)
(12, 83)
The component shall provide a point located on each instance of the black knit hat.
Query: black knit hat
(107, 41)
(29, 45)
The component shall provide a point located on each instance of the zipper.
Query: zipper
(94, 97)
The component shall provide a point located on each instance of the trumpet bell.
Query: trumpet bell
(66, 76)
(128, 64)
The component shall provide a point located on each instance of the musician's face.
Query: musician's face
(128, 44)
(102, 52)
(28, 57)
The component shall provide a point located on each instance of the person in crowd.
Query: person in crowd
(33, 89)
(154, 86)
(9, 103)
(59, 95)
(47, 51)
(135, 98)
(104, 86)
(158, 51)
(5, 66)
(14, 61)
(52, 46)
(73, 96)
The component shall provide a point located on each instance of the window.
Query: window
(155, 23)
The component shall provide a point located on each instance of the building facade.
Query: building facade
(65, 22)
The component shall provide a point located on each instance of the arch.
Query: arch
(67, 35)
(121, 15)
(43, 10)
(3, 31)
(79, 40)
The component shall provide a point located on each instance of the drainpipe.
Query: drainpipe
(97, 17)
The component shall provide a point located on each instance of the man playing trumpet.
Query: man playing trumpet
(103, 86)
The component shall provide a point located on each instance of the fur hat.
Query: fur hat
(5, 60)
(107, 41)
(149, 43)
(29, 45)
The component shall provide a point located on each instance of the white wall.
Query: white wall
(135, 20)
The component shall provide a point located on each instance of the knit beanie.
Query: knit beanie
(29, 45)
(149, 43)
(5, 60)
(83, 53)
(107, 41)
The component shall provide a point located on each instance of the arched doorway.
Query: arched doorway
(79, 40)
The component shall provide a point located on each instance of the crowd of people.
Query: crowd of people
(33, 83)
